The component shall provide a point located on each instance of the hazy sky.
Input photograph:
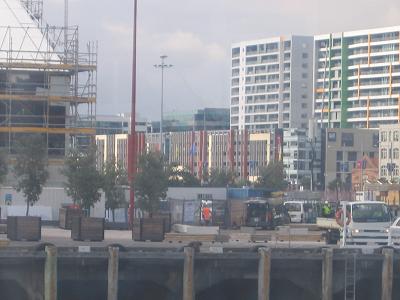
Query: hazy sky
(196, 35)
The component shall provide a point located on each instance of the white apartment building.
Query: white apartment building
(301, 154)
(357, 78)
(389, 151)
(271, 84)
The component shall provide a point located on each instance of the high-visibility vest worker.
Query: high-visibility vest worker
(326, 210)
(206, 213)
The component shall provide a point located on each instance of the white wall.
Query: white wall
(189, 193)
(51, 200)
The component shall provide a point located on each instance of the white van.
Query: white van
(295, 210)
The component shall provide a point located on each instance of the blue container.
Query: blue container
(247, 193)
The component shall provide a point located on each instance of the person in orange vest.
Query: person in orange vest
(206, 214)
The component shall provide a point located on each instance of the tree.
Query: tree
(114, 177)
(151, 182)
(181, 177)
(83, 179)
(336, 185)
(221, 178)
(272, 176)
(31, 168)
(241, 183)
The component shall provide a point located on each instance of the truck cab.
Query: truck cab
(368, 224)
(258, 214)
(266, 215)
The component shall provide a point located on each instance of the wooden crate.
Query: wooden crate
(24, 228)
(87, 229)
(148, 229)
(66, 215)
(167, 220)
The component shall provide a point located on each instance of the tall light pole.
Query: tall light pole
(162, 66)
(132, 137)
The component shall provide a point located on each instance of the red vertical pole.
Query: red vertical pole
(231, 149)
(200, 160)
(192, 150)
(245, 154)
(132, 137)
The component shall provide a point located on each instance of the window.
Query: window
(383, 153)
(395, 136)
(383, 171)
(304, 75)
(332, 136)
(352, 156)
(304, 55)
(304, 66)
(339, 155)
(383, 136)
(347, 139)
(304, 105)
(396, 170)
(303, 96)
(396, 153)
(375, 140)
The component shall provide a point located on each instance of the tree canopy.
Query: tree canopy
(221, 178)
(181, 177)
(84, 181)
(114, 178)
(272, 176)
(31, 167)
(151, 182)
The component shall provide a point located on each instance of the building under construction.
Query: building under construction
(47, 84)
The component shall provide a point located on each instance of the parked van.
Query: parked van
(295, 210)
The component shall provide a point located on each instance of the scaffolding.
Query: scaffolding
(34, 9)
(47, 84)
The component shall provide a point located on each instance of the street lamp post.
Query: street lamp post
(132, 137)
(312, 142)
(162, 66)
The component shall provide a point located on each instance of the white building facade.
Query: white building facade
(301, 154)
(357, 78)
(389, 152)
(271, 83)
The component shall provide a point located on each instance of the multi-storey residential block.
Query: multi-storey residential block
(271, 83)
(241, 152)
(389, 151)
(357, 78)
